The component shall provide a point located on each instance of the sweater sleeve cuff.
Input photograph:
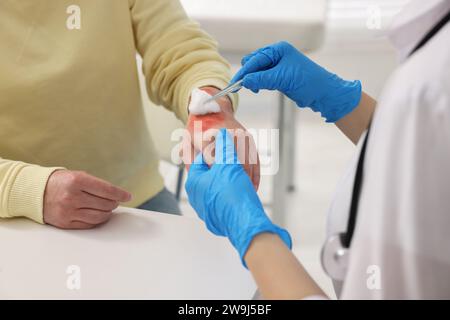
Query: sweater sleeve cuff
(26, 197)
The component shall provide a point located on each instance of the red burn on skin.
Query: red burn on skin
(208, 121)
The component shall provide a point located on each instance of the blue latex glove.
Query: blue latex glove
(282, 67)
(225, 199)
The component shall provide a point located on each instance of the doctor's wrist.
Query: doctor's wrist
(257, 250)
(265, 228)
(341, 99)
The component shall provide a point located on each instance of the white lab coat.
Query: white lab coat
(401, 244)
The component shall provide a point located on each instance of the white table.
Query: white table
(137, 255)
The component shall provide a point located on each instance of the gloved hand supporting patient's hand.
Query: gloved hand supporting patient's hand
(282, 67)
(225, 198)
(204, 126)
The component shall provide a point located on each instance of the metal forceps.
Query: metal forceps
(232, 88)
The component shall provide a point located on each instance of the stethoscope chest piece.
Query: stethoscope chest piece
(334, 257)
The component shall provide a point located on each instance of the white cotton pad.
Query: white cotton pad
(199, 106)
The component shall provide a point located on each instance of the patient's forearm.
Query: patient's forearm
(277, 272)
(355, 123)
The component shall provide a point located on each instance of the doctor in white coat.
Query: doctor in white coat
(389, 225)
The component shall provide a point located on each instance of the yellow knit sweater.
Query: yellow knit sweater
(69, 92)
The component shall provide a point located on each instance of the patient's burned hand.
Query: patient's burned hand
(203, 129)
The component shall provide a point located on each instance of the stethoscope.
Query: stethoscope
(336, 249)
